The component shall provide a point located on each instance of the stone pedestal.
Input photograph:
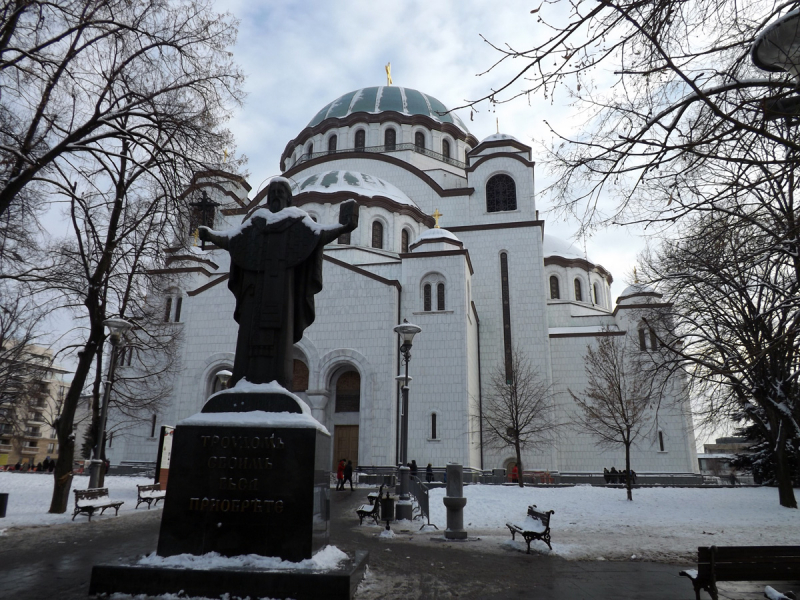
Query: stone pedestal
(247, 480)
(454, 502)
(404, 509)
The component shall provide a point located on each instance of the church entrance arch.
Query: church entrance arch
(346, 409)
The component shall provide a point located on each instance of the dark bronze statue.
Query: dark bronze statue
(276, 268)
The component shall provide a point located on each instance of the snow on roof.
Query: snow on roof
(436, 233)
(329, 182)
(290, 212)
(589, 329)
(553, 246)
(394, 98)
(637, 289)
(499, 136)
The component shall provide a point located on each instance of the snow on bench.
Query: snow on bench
(536, 526)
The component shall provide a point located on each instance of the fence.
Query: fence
(419, 490)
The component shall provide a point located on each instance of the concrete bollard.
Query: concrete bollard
(454, 503)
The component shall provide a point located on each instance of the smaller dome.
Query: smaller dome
(329, 182)
(553, 246)
(499, 136)
(637, 293)
(437, 233)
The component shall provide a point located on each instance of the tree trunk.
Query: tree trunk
(783, 471)
(628, 470)
(519, 465)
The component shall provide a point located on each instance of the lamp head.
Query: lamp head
(117, 328)
(407, 331)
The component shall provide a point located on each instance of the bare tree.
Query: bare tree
(616, 407)
(518, 408)
(736, 310)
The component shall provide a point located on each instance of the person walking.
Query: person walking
(413, 468)
(429, 473)
(348, 474)
(515, 475)
(340, 476)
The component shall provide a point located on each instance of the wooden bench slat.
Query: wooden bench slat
(744, 552)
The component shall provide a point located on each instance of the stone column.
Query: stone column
(318, 401)
(404, 508)
(454, 502)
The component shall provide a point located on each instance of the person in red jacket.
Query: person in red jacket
(340, 476)
(515, 475)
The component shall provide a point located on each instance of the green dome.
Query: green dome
(387, 98)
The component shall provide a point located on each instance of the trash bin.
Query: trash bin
(387, 508)
(3, 505)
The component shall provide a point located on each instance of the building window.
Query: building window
(642, 340)
(446, 148)
(344, 239)
(433, 426)
(404, 240)
(578, 291)
(153, 426)
(596, 294)
(390, 139)
(50, 448)
(110, 439)
(332, 144)
(309, 150)
(501, 194)
(661, 441)
(361, 139)
(440, 296)
(168, 310)
(178, 306)
(653, 340)
(348, 392)
(300, 376)
(554, 292)
(377, 234)
(426, 297)
(504, 288)
(419, 141)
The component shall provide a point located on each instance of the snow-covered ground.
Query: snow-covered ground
(661, 524)
(29, 497)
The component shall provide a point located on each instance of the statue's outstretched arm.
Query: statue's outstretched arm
(348, 220)
(208, 236)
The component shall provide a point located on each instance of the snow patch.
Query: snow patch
(327, 559)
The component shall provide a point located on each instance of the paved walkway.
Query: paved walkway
(46, 563)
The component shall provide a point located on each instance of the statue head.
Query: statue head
(279, 195)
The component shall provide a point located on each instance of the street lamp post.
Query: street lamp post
(117, 327)
(406, 331)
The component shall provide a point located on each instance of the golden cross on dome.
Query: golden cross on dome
(437, 215)
(388, 73)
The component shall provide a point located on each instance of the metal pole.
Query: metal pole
(404, 507)
(97, 463)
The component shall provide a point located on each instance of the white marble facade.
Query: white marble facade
(368, 290)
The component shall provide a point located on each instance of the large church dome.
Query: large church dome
(359, 184)
(378, 99)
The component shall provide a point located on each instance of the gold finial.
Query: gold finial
(196, 236)
(635, 276)
(437, 215)
(225, 154)
(388, 73)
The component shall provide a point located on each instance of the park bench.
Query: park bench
(150, 494)
(742, 563)
(535, 527)
(371, 510)
(88, 501)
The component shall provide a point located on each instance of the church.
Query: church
(449, 239)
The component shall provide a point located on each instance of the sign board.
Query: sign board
(164, 455)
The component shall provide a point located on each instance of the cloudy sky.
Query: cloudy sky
(300, 55)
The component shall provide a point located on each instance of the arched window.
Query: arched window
(661, 446)
(642, 340)
(555, 294)
(390, 139)
(361, 139)
(300, 376)
(309, 150)
(168, 309)
(419, 140)
(446, 148)
(348, 392)
(377, 234)
(332, 144)
(404, 240)
(653, 340)
(596, 293)
(344, 239)
(440, 296)
(433, 427)
(501, 194)
(578, 290)
(426, 297)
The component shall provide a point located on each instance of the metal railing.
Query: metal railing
(386, 149)
(419, 490)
